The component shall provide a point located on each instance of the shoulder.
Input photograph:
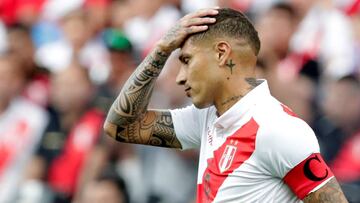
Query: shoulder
(189, 124)
(277, 122)
(284, 138)
(191, 112)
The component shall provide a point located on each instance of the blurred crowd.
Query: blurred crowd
(63, 62)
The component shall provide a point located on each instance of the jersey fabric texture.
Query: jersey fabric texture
(257, 151)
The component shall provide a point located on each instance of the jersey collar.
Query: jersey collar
(238, 110)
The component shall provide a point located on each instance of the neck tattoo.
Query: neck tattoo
(253, 82)
(234, 98)
(230, 64)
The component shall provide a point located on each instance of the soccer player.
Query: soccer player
(252, 147)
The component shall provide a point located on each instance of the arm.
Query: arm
(128, 119)
(329, 193)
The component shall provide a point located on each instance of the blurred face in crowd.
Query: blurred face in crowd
(298, 95)
(97, 16)
(121, 61)
(101, 192)
(275, 30)
(76, 29)
(71, 89)
(21, 45)
(342, 104)
(11, 79)
(122, 65)
(120, 12)
(303, 6)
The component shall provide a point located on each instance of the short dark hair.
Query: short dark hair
(231, 23)
(285, 7)
(110, 174)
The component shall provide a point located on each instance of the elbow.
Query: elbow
(110, 129)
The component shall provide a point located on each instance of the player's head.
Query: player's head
(230, 24)
(224, 53)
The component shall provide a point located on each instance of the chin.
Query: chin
(201, 105)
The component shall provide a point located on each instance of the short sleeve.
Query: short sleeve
(294, 156)
(187, 125)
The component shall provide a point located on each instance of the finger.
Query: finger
(199, 21)
(202, 13)
(195, 29)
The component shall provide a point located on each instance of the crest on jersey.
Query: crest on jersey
(227, 158)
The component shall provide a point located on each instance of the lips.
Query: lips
(187, 91)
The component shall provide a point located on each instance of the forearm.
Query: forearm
(329, 193)
(135, 95)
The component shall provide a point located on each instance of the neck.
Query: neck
(232, 91)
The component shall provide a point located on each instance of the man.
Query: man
(252, 148)
(21, 126)
(66, 156)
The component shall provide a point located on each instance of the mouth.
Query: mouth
(187, 91)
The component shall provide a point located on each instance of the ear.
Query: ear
(223, 50)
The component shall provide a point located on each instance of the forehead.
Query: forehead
(190, 47)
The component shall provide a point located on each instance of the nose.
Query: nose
(181, 76)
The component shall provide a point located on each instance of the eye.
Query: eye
(186, 60)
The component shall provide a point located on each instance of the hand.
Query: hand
(187, 25)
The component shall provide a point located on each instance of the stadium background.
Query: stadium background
(63, 62)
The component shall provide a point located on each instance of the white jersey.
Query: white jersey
(257, 151)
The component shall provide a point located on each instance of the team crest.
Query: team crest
(227, 158)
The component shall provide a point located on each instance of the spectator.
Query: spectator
(72, 133)
(324, 33)
(21, 126)
(37, 79)
(122, 64)
(78, 44)
(109, 188)
(345, 93)
(346, 165)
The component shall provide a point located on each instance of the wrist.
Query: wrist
(163, 48)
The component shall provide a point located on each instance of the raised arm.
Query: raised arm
(329, 193)
(128, 119)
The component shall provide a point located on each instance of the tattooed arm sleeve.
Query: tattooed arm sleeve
(329, 193)
(128, 119)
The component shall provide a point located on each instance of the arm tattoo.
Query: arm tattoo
(135, 95)
(329, 193)
(230, 64)
(128, 119)
(156, 129)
